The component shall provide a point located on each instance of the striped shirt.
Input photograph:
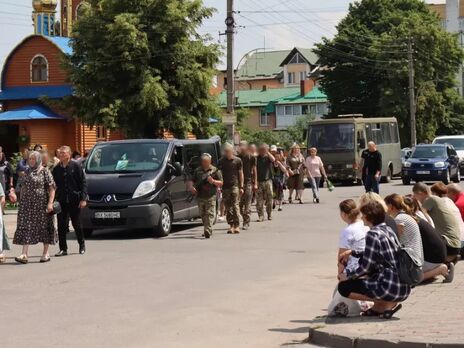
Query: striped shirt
(411, 237)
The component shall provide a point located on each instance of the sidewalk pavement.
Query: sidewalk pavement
(431, 317)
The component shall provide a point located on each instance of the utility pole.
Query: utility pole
(230, 32)
(412, 98)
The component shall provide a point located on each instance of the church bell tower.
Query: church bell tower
(69, 13)
(44, 17)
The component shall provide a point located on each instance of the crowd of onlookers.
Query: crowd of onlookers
(43, 187)
(429, 223)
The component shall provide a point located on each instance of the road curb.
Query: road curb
(331, 340)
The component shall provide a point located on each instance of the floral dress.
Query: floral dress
(35, 225)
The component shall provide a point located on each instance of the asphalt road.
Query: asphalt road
(261, 288)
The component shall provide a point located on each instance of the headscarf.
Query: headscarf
(38, 161)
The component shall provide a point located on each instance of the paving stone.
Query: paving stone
(430, 318)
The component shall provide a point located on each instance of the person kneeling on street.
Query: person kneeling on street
(376, 279)
(433, 243)
(206, 180)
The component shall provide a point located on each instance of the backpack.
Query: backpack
(409, 266)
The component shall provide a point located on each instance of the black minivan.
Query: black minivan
(142, 184)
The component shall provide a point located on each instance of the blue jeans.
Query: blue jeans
(315, 184)
(371, 184)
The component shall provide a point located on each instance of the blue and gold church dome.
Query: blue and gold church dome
(44, 5)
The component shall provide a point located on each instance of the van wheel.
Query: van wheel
(87, 232)
(388, 178)
(447, 178)
(165, 222)
(406, 181)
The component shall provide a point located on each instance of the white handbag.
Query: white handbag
(344, 307)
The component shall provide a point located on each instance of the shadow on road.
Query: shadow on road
(116, 234)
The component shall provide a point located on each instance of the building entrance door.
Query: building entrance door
(9, 134)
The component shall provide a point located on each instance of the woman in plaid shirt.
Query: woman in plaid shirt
(376, 279)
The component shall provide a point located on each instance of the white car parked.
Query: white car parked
(458, 143)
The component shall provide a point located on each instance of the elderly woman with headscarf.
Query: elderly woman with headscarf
(296, 172)
(35, 219)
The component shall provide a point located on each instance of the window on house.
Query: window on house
(321, 109)
(297, 59)
(304, 109)
(297, 110)
(312, 109)
(291, 78)
(100, 132)
(39, 69)
(302, 75)
(288, 110)
(264, 118)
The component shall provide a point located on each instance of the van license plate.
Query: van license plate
(108, 215)
(423, 172)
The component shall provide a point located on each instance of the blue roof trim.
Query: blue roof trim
(34, 92)
(30, 112)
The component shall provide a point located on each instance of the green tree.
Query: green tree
(367, 67)
(141, 65)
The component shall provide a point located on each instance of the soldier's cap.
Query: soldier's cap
(206, 156)
(244, 143)
(273, 148)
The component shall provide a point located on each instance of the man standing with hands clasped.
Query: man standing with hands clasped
(372, 167)
(232, 188)
(71, 193)
(206, 180)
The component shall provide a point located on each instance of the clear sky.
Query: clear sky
(270, 24)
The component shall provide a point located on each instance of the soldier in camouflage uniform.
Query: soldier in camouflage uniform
(206, 179)
(250, 183)
(232, 189)
(264, 171)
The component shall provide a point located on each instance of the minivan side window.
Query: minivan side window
(193, 152)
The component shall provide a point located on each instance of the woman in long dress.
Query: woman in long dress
(35, 221)
(296, 172)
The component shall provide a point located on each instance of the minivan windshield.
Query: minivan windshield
(458, 143)
(332, 137)
(429, 152)
(126, 157)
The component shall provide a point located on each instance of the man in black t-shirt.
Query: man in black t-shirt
(372, 167)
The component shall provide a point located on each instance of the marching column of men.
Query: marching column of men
(239, 178)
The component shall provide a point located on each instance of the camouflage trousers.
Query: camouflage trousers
(207, 209)
(245, 204)
(231, 197)
(264, 197)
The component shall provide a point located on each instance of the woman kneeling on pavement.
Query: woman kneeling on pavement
(434, 245)
(376, 279)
